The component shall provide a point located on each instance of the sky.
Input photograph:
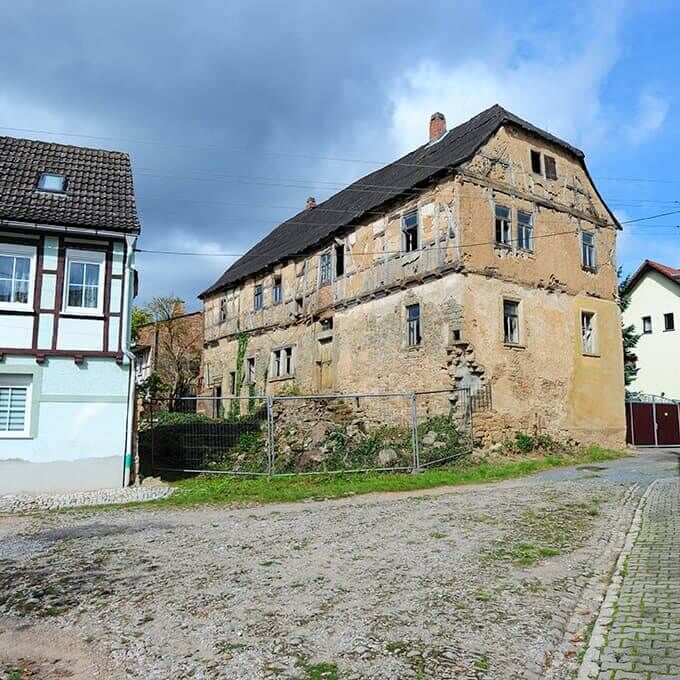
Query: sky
(235, 112)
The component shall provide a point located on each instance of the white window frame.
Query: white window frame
(505, 225)
(507, 339)
(280, 357)
(592, 348)
(592, 250)
(525, 232)
(76, 256)
(19, 381)
(15, 250)
(410, 236)
(414, 326)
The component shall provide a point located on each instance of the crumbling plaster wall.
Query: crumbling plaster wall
(546, 384)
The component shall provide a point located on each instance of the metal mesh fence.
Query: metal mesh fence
(307, 434)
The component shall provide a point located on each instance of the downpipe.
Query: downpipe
(125, 334)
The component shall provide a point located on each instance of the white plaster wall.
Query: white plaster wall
(16, 331)
(82, 413)
(659, 351)
(80, 334)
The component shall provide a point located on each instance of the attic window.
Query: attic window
(50, 181)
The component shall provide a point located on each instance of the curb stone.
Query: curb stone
(590, 666)
(585, 595)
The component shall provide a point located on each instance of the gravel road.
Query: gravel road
(460, 583)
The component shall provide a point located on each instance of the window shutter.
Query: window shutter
(550, 167)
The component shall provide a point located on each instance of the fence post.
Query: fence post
(414, 432)
(270, 436)
(469, 418)
(151, 425)
(656, 436)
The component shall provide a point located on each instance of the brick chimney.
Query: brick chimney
(311, 203)
(437, 126)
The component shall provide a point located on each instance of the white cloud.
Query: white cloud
(555, 83)
(651, 115)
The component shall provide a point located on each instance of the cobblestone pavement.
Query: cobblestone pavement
(640, 637)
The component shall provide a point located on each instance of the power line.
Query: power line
(289, 155)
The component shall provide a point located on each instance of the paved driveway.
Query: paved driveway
(474, 582)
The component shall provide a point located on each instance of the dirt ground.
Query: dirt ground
(456, 583)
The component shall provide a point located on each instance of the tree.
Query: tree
(630, 337)
(140, 316)
(178, 346)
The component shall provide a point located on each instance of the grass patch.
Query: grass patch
(220, 489)
(319, 671)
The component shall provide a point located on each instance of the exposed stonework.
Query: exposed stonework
(459, 277)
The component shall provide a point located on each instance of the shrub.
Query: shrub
(524, 443)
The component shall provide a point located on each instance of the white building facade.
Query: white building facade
(654, 310)
(68, 228)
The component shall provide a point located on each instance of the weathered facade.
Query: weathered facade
(497, 267)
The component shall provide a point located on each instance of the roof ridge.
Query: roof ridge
(76, 147)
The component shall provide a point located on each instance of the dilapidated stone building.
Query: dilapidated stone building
(484, 258)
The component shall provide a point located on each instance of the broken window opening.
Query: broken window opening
(250, 370)
(588, 250)
(232, 382)
(550, 167)
(588, 332)
(276, 291)
(536, 162)
(511, 322)
(409, 229)
(325, 269)
(413, 325)
(503, 226)
(223, 310)
(339, 259)
(282, 362)
(525, 231)
(327, 324)
(257, 298)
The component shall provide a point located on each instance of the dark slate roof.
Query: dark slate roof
(312, 226)
(99, 192)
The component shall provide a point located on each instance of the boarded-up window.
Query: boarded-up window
(550, 167)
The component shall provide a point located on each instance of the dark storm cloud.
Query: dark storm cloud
(216, 77)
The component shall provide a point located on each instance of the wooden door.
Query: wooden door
(325, 366)
(668, 424)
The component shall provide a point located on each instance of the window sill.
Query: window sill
(282, 378)
(82, 311)
(668, 330)
(18, 435)
(16, 307)
(502, 246)
(514, 345)
(592, 355)
(589, 270)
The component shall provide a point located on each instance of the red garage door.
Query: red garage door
(653, 423)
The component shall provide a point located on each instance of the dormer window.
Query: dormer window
(53, 182)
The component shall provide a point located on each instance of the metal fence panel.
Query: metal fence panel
(230, 435)
(307, 434)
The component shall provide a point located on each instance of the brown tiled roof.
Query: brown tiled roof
(99, 191)
(309, 227)
(669, 272)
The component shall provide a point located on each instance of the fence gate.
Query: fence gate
(652, 421)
